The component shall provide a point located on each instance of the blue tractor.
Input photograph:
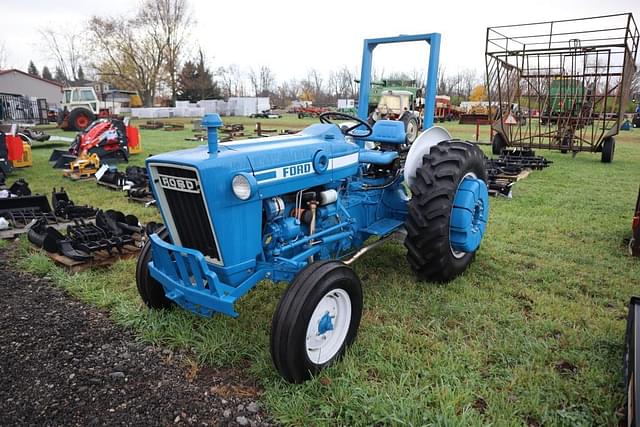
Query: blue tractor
(301, 208)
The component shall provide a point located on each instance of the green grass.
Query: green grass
(548, 288)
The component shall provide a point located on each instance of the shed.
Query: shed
(20, 83)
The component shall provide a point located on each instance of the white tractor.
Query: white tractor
(399, 105)
(80, 107)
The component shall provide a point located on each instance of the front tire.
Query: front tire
(150, 290)
(432, 231)
(317, 318)
(80, 118)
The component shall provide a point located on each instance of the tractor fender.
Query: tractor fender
(422, 146)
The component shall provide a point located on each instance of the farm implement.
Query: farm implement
(561, 84)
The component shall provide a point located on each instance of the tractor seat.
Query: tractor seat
(388, 132)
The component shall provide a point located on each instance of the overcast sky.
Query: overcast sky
(293, 36)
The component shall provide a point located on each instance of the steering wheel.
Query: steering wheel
(324, 118)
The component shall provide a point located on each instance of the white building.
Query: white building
(346, 103)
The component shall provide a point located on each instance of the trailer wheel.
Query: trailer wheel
(317, 318)
(448, 211)
(608, 147)
(498, 144)
(80, 118)
(150, 290)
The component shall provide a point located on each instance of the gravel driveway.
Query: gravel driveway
(63, 362)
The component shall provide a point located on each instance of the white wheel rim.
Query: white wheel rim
(324, 340)
(459, 254)
(412, 131)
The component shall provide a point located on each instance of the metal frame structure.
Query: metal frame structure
(430, 84)
(575, 74)
(20, 109)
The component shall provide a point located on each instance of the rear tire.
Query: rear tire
(429, 249)
(498, 144)
(608, 148)
(411, 128)
(150, 290)
(80, 118)
(317, 318)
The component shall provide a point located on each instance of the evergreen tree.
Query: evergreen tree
(46, 74)
(195, 81)
(80, 74)
(59, 76)
(32, 69)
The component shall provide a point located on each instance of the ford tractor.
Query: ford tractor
(301, 209)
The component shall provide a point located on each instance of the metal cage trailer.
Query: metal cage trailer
(561, 84)
(301, 208)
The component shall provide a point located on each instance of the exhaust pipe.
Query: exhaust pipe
(212, 122)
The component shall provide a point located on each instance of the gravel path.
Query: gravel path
(65, 363)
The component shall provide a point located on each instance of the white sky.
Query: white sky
(292, 37)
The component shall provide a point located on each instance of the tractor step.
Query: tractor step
(383, 227)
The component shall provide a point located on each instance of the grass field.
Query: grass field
(531, 334)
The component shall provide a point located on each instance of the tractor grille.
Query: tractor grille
(183, 204)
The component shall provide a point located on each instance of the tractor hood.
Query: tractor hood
(315, 156)
(194, 191)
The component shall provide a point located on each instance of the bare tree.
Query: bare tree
(224, 78)
(417, 75)
(267, 80)
(468, 80)
(333, 85)
(3, 55)
(66, 48)
(442, 81)
(262, 81)
(235, 78)
(294, 89)
(129, 52)
(173, 19)
(312, 86)
(254, 80)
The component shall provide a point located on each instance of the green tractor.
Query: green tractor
(397, 100)
(568, 99)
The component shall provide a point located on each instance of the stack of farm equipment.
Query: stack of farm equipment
(113, 235)
(19, 209)
(511, 166)
(135, 181)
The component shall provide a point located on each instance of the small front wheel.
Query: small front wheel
(150, 290)
(317, 318)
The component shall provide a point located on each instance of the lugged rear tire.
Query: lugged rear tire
(150, 290)
(429, 250)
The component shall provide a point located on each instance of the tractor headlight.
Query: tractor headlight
(241, 186)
